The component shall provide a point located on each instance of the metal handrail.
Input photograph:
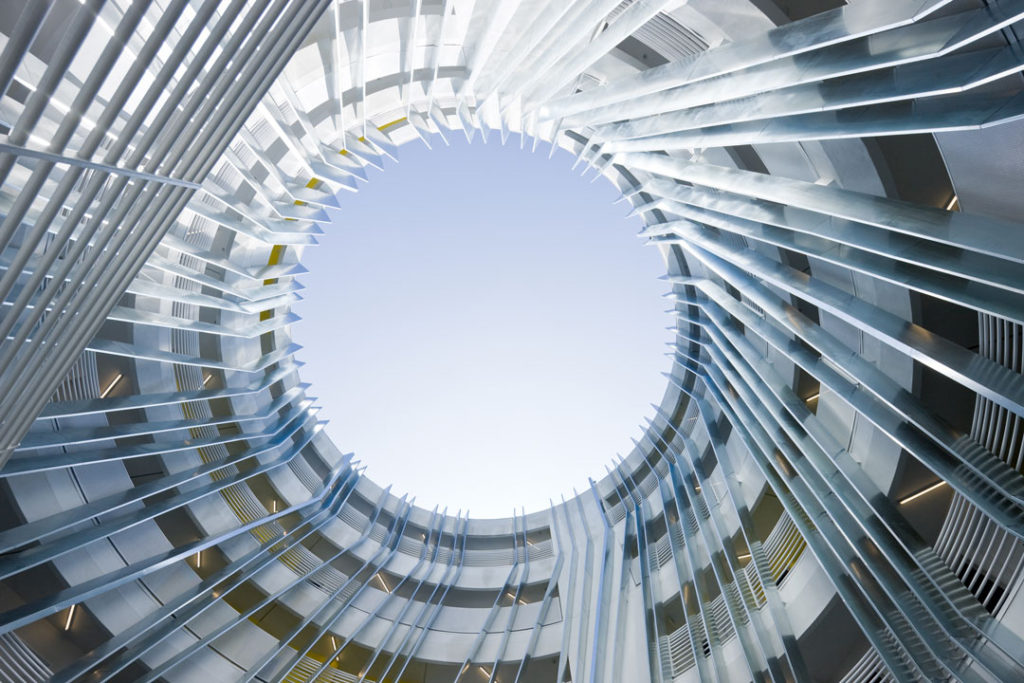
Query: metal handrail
(980, 552)
(18, 664)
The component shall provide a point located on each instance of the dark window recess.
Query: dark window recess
(143, 470)
(784, 11)
(632, 548)
(832, 644)
(670, 615)
(808, 389)
(746, 158)
(986, 590)
(539, 535)
(209, 315)
(118, 331)
(948, 399)
(656, 529)
(17, 91)
(951, 321)
(798, 261)
(927, 513)
(209, 346)
(221, 407)
(733, 292)
(765, 514)
(320, 468)
(911, 168)
(708, 460)
(640, 52)
(10, 515)
(724, 427)
(542, 670)
(132, 416)
(945, 398)
(266, 343)
(178, 526)
(229, 429)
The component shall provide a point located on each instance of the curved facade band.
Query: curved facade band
(829, 490)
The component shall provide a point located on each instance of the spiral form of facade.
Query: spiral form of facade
(830, 488)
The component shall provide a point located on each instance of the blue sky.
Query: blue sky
(482, 326)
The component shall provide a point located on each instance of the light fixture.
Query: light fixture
(783, 465)
(71, 615)
(514, 599)
(113, 383)
(918, 494)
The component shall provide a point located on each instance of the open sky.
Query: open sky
(482, 327)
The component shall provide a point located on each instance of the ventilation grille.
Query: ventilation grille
(665, 35)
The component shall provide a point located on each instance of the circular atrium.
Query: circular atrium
(498, 321)
(827, 487)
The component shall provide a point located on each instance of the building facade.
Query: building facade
(829, 490)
